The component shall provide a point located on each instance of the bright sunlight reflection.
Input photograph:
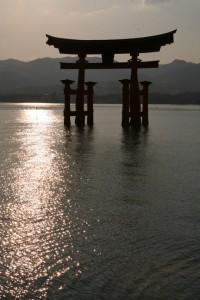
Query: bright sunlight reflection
(37, 115)
(38, 243)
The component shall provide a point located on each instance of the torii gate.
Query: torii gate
(107, 49)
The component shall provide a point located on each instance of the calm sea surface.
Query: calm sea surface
(101, 213)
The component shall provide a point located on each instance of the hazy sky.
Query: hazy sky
(24, 23)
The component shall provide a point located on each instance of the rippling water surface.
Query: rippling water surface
(101, 213)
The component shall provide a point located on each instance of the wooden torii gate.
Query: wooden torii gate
(107, 49)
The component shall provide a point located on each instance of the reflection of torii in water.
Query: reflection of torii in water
(107, 49)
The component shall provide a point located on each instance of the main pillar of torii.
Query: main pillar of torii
(107, 49)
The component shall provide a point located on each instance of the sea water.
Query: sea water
(102, 212)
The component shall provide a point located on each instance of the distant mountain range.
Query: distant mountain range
(40, 79)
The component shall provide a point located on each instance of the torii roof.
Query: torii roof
(113, 46)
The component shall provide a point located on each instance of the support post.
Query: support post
(134, 94)
(67, 92)
(80, 116)
(145, 119)
(90, 94)
(125, 102)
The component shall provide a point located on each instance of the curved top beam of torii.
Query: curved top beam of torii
(113, 46)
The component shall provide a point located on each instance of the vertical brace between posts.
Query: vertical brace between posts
(134, 94)
(90, 94)
(80, 116)
(125, 102)
(145, 118)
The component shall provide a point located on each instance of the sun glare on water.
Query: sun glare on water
(35, 217)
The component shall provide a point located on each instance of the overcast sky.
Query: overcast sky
(24, 23)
